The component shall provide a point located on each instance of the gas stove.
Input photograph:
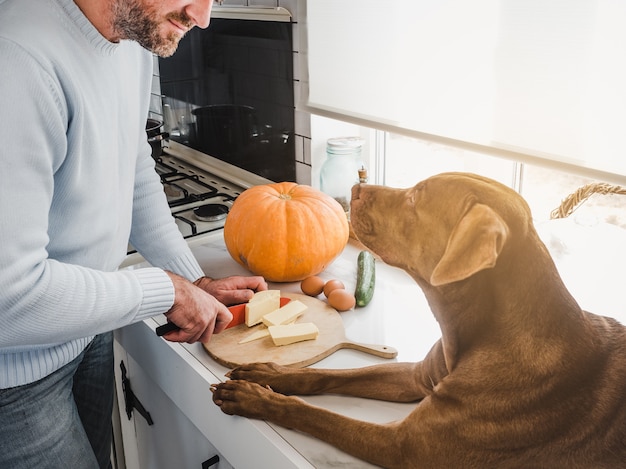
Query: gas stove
(199, 201)
(200, 191)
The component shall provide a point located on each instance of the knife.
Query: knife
(238, 312)
(165, 328)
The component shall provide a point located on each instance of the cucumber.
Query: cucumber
(365, 278)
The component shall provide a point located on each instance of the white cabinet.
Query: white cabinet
(184, 374)
(174, 386)
(170, 440)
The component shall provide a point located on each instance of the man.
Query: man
(76, 184)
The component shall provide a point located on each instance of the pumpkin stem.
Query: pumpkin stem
(284, 196)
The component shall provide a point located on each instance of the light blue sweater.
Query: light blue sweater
(76, 181)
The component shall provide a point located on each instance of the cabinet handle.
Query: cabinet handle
(209, 462)
(131, 400)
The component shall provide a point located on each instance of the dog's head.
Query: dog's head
(442, 230)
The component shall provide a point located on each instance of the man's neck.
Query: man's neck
(99, 14)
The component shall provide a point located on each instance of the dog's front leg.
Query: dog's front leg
(375, 443)
(397, 382)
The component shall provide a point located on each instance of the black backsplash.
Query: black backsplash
(236, 78)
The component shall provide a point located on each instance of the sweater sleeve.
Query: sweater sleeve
(154, 233)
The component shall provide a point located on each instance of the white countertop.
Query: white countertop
(398, 316)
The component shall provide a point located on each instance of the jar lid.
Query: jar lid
(345, 142)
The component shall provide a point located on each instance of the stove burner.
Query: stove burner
(211, 212)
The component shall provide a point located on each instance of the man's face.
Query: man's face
(156, 25)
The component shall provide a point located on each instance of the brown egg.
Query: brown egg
(341, 300)
(312, 286)
(332, 285)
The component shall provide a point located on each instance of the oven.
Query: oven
(228, 91)
(227, 98)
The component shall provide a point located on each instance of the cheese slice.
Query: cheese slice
(266, 302)
(264, 295)
(291, 333)
(256, 335)
(284, 315)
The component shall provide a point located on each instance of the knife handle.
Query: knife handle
(165, 328)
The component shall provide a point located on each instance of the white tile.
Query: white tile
(296, 92)
(303, 40)
(296, 66)
(303, 174)
(155, 87)
(296, 37)
(306, 150)
(299, 147)
(156, 105)
(303, 65)
(300, 94)
(302, 123)
(155, 65)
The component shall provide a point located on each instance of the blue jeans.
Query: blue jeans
(64, 419)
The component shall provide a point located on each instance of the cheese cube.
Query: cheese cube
(284, 315)
(266, 302)
(291, 333)
(256, 335)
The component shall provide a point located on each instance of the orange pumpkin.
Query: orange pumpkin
(285, 231)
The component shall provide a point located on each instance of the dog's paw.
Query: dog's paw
(237, 397)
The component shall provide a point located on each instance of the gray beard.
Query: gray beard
(131, 20)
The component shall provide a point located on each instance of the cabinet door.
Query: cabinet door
(172, 440)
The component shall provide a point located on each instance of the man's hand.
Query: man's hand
(232, 290)
(198, 314)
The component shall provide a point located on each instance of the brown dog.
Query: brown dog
(521, 377)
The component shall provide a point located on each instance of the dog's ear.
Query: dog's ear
(474, 245)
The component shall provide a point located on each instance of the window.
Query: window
(530, 93)
(588, 246)
(400, 161)
(534, 81)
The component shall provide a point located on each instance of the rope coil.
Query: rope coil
(574, 200)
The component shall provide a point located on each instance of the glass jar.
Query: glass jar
(340, 171)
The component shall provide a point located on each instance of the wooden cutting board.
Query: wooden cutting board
(226, 349)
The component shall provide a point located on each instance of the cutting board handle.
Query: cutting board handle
(383, 351)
